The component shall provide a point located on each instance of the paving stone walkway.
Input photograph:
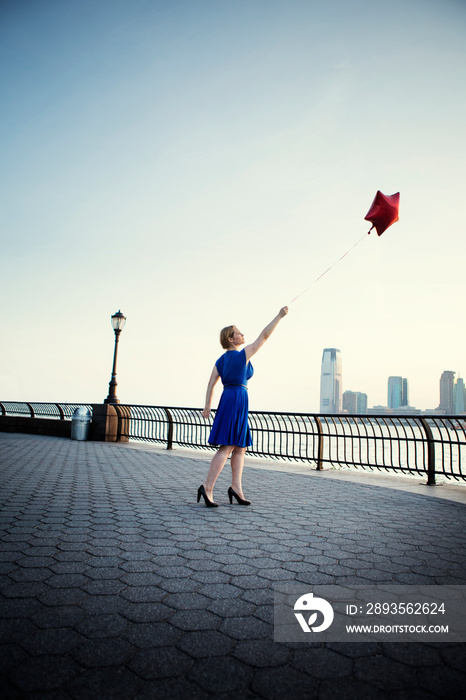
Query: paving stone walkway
(115, 583)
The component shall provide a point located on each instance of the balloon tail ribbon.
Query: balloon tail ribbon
(329, 268)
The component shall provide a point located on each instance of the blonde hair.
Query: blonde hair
(225, 334)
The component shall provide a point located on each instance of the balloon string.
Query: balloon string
(329, 268)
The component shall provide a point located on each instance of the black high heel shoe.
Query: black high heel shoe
(241, 501)
(208, 502)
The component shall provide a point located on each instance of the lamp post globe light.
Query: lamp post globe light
(118, 322)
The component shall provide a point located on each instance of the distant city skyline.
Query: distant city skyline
(335, 399)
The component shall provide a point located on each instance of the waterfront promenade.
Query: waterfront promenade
(115, 583)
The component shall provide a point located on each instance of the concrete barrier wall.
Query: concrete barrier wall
(35, 426)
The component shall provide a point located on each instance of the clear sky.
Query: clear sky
(197, 163)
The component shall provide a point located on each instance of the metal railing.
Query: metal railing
(59, 411)
(428, 445)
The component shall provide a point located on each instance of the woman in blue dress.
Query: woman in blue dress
(230, 428)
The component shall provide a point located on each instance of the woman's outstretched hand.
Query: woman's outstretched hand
(283, 311)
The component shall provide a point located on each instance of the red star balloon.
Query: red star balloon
(383, 212)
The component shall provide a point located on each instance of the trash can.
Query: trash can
(80, 423)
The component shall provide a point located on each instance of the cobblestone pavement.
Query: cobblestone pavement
(115, 583)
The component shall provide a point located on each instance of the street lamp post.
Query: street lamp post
(118, 322)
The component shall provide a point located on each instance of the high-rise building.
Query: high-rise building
(355, 402)
(446, 392)
(459, 396)
(362, 403)
(330, 381)
(404, 398)
(397, 392)
(350, 402)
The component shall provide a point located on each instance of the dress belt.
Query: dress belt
(225, 385)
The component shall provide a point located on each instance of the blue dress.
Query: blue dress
(230, 426)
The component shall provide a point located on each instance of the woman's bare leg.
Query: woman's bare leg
(237, 465)
(216, 466)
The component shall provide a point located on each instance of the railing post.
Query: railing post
(170, 429)
(320, 445)
(430, 452)
(60, 411)
(2, 407)
(107, 423)
(119, 423)
(123, 417)
(31, 410)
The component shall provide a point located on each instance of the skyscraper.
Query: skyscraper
(459, 395)
(404, 398)
(355, 402)
(330, 381)
(446, 392)
(350, 402)
(397, 392)
(362, 403)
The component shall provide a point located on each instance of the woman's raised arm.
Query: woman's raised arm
(251, 349)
